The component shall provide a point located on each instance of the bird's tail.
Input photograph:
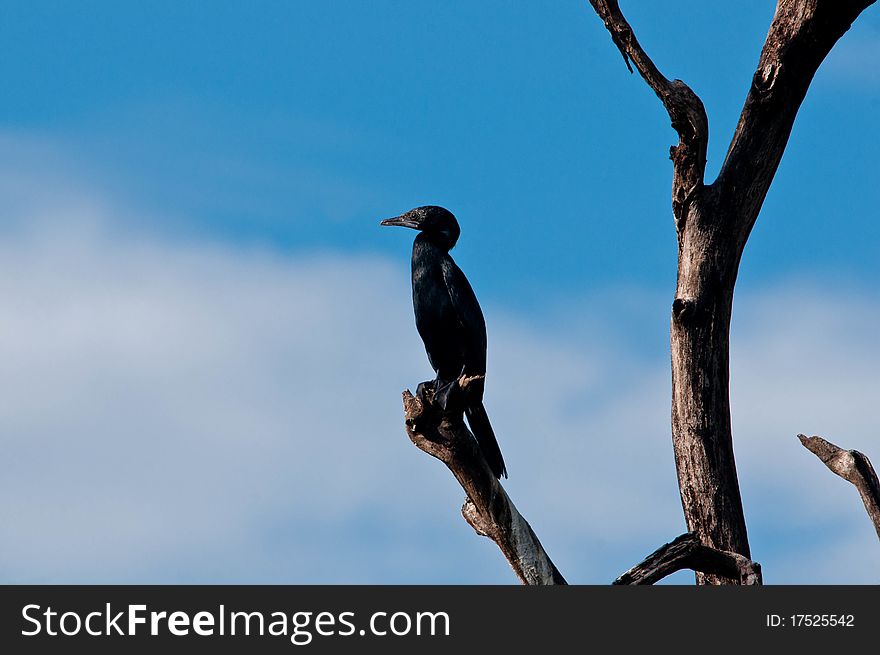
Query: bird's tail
(482, 429)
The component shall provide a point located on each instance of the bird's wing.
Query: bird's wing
(469, 316)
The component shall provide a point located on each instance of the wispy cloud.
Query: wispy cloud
(194, 412)
(855, 60)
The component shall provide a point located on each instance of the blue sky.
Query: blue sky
(184, 180)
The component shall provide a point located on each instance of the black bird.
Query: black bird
(449, 319)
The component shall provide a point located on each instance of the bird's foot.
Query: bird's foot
(425, 391)
(428, 418)
(437, 393)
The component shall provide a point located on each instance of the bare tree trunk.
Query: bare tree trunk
(713, 223)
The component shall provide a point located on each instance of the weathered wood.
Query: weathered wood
(684, 107)
(801, 35)
(488, 508)
(686, 552)
(713, 223)
(852, 466)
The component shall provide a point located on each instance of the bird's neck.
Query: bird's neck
(428, 259)
(431, 244)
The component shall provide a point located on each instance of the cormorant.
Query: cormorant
(449, 319)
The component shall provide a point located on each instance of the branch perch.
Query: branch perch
(852, 466)
(488, 508)
(686, 552)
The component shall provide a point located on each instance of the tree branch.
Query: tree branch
(801, 35)
(686, 552)
(684, 107)
(852, 466)
(488, 508)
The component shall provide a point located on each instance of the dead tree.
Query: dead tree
(712, 222)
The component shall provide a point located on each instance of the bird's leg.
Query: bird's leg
(424, 393)
(426, 390)
(447, 395)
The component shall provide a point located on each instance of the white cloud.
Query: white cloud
(197, 412)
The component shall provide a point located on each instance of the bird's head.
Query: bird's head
(436, 223)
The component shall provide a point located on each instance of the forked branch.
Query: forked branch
(713, 222)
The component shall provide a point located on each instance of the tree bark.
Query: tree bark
(487, 508)
(686, 552)
(852, 466)
(713, 223)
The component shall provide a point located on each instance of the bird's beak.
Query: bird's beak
(404, 220)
